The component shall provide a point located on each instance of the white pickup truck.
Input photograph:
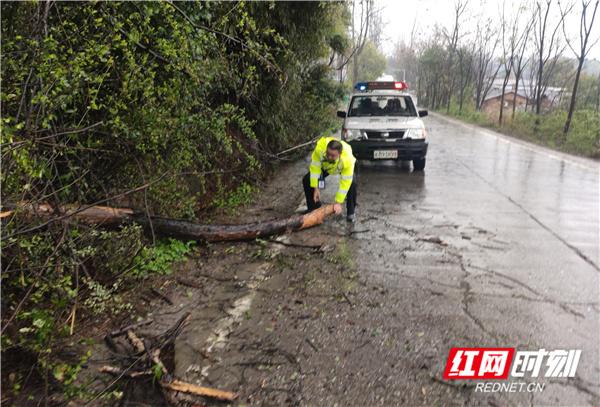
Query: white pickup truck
(382, 123)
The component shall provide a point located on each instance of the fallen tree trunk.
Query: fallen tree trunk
(108, 216)
(188, 230)
(104, 215)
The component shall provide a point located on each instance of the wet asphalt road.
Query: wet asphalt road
(496, 244)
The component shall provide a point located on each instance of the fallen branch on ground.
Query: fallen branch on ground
(108, 216)
(177, 385)
(150, 362)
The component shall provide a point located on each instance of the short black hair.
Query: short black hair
(335, 145)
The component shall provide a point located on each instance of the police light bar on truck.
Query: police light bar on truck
(367, 86)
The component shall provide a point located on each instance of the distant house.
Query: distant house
(491, 104)
(551, 98)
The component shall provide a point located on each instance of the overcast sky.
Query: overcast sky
(399, 16)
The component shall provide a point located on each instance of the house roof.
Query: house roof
(498, 93)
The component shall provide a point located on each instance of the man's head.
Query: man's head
(334, 149)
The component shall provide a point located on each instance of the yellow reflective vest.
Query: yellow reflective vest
(343, 166)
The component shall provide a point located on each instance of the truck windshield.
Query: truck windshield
(382, 106)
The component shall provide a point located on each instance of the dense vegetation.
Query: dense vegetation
(169, 108)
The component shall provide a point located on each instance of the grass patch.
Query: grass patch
(583, 138)
(342, 256)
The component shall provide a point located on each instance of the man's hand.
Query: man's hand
(337, 208)
(317, 195)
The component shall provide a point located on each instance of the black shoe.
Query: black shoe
(351, 218)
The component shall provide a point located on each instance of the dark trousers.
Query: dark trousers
(312, 205)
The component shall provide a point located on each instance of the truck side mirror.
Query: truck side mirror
(423, 113)
(341, 114)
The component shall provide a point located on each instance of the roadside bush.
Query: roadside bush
(167, 107)
(62, 278)
(584, 135)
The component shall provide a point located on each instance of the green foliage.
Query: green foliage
(66, 374)
(86, 275)
(342, 256)
(189, 99)
(156, 94)
(588, 92)
(371, 63)
(157, 372)
(470, 114)
(158, 259)
(302, 105)
(583, 137)
(101, 299)
(230, 200)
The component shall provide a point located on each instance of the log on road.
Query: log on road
(108, 216)
(212, 233)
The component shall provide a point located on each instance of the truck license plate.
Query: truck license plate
(385, 154)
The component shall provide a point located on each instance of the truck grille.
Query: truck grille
(390, 134)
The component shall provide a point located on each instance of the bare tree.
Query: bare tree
(530, 89)
(452, 39)
(520, 64)
(360, 38)
(547, 49)
(486, 42)
(585, 28)
(465, 72)
(376, 28)
(404, 60)
(361, 14)
(432, 69)
(509, 53)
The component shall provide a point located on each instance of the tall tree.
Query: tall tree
(520, 63)
(547, 48)
(585, 28)
(465, 72)
(403, 63)
(432, 67)
(510, 48)
(452, 38)
(486, 42)
(370, 64)
(361, 12)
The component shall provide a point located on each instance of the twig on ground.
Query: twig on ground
(162, 296)
(347, 299)
(131, 327)
(189, 283)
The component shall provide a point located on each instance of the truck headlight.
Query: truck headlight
(351, 134)
(416, 134)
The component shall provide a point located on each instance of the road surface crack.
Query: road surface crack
(542, 298)
(535, 219)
